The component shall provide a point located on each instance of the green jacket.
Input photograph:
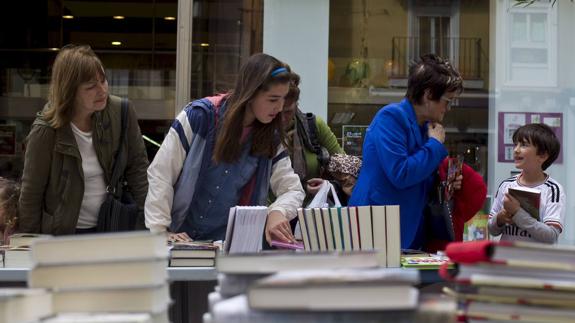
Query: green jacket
(53, 179)
(325, 138)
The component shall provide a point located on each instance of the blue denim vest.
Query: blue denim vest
(219, 188)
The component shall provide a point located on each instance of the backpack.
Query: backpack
(310, 137)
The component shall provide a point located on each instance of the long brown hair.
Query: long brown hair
(74, 65)
(255, 75)
(9, 196)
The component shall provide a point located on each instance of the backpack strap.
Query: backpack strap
(311, 138)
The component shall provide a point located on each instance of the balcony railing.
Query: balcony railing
(464, 53)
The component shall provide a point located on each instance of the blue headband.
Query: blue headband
(278, 70)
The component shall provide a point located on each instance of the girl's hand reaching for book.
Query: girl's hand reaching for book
(278, 228)
(178, 237)
(510, 204)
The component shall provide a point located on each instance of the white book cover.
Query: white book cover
(336, 220)
(354, 228)
(311, 229)
(365, 227)
(321, 238)
(393, 233)
(379, 233)
(303, 229)
(346, 225)
(103, 247)
(328, 228)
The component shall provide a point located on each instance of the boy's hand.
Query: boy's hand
(503, 217)
(510, 204)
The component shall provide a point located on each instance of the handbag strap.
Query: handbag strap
(116, 172)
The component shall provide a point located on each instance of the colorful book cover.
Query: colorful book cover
(427, 261)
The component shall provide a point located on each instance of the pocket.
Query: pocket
(47, 222)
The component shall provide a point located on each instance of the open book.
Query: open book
(529, 199)
(245, 229)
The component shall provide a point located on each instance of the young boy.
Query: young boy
(536, 148)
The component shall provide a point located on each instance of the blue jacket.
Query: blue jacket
(399, 163)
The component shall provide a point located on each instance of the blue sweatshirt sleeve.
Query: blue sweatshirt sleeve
(404, 166)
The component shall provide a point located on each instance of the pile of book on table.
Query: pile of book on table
(512, 281)
(296, 286)
(118, 277)
(193, 254)
(353, 228)
(17, 253)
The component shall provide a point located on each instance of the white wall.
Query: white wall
(297, 32)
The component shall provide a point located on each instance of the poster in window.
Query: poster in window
(7, 140)
(510, 121)
(352, 137)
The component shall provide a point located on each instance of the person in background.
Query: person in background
(225, 151)
(344, 170)
(536, 148)
(467, 201)
(311, 142)
(403, 146)
(71, 146)
(9, 194)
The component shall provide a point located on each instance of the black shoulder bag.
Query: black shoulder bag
(438, 212)
(119, 209)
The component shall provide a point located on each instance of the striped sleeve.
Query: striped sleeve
(167, 165)
(554, 212)
(285, 184)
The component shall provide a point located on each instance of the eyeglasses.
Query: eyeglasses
(449, 101)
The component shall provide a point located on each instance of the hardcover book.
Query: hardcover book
(529, 199)
(193, 249)
(321, 290)
(511, 252)
(274, 261)
(24, 304)
(106, 247)
(148, 299)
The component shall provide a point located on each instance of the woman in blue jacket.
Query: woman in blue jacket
(403, 146)
(224, 151)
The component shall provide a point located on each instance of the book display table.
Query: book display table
(189, 287)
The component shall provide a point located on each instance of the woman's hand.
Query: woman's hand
(457, 182)
(436, 130)
(313, 185)
(278, 228)
(179, 237)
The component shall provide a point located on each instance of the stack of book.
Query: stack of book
(103, 273)
(17, 253)
(21, 305)
(193, 254)
(237, 272)
(334, 286)
(513, 281)
(354, 228)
